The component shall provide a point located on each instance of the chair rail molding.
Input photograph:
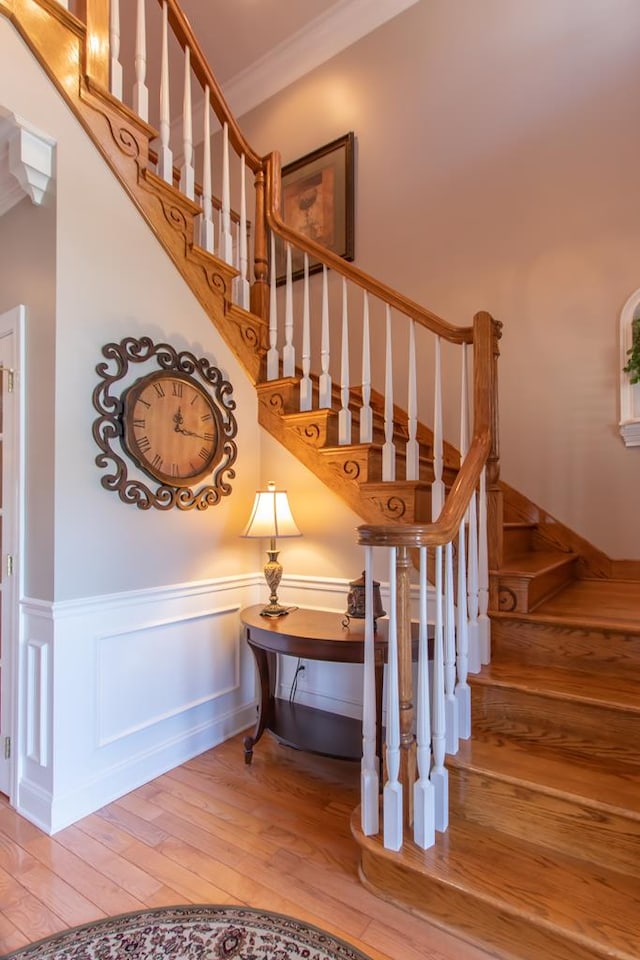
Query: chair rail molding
(629, 393)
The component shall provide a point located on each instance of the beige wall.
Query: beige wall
(90, 272)
(497, 159)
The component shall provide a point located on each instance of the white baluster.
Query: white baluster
(392, 793)
(288, 352)
(114, 43)
(207, 237)
(369, 779)
(437, 489)
(140, 89)
(273, 360)
(462, 690)
(187, 173)
(324, 400)
(423, 789)
(451, 706)
(344, 417)
(484, 624)
(439, 775)
(388, 448)
(244, 296)
(165, 158)
(366, 414)
(226, 240)
(413, 453)
(306, 389)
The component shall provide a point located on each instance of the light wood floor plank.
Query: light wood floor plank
(273, 835)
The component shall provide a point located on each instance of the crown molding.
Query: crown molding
(323, 38)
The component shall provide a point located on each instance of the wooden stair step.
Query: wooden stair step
(542, 639)
(569, 711)
(509, 895)
(528, 579)
(582, 809)
(608, 604)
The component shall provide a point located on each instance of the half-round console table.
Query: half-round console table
(310, 635)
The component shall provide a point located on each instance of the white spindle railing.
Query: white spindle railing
(165, 158)
(207, 232)
(413, 452)
(226, 239)
(366, 414)
(187, 172)
(423, 790)
(370, 808)
(288, 353)
(244, 289)
(306, 388)
(325, 398)
(388, 448)
(344, 417)
(392, 792)
(115, 77)
(140, 89)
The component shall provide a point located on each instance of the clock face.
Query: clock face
(171, 428)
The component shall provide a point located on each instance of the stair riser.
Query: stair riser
(459, 909)
(566, 726)
(542, 644)
(517, 540)
(560, 823)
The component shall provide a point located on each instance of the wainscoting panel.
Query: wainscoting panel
(119, 689)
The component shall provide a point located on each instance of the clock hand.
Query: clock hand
(178, 419)
(190, 433)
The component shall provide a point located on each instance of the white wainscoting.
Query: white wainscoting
(116, 690)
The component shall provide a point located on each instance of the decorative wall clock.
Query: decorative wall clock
(175, 422)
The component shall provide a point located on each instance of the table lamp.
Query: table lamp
(271, 517)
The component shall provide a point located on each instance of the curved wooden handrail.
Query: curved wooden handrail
(186, 37)
(448, 523)
(401, 303)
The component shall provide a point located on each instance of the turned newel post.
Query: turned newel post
(95, 13)
(487, 333)
(405, 682)
(260, 286)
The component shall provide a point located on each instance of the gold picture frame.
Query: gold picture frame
(318, 201)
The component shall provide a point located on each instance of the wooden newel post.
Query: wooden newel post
(405, 683)
(260, 286)
(95, 13)
(487, 333)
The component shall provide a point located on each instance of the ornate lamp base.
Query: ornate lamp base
(273, 575)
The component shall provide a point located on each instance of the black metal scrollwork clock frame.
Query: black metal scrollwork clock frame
(175, 423)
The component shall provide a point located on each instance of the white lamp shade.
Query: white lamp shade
(271, 515)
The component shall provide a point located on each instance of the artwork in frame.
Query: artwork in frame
(318, 201)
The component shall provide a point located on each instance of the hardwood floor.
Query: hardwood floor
(273, 835)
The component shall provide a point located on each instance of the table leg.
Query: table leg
(266, 663)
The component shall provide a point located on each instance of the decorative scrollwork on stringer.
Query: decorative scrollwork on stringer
(351, 469)
(507, 600)
(108, 427)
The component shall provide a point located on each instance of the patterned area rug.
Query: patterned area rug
(192, 933)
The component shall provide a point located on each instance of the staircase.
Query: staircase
(541, 856)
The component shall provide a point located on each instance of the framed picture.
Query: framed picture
(318, 201)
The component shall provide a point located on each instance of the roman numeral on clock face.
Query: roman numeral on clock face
(144, 444)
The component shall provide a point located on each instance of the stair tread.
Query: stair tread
(615, 692)
(609, 604)
(535, 562)
(587, 902)
(609, 787)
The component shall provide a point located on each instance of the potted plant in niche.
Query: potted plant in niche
(633, 353)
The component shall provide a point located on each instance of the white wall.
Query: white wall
(497, 147)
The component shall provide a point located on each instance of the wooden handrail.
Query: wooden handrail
(186, 37)
(401, 303)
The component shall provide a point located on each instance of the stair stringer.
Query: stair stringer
(123, 139)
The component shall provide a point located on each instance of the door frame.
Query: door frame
(12, 326)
